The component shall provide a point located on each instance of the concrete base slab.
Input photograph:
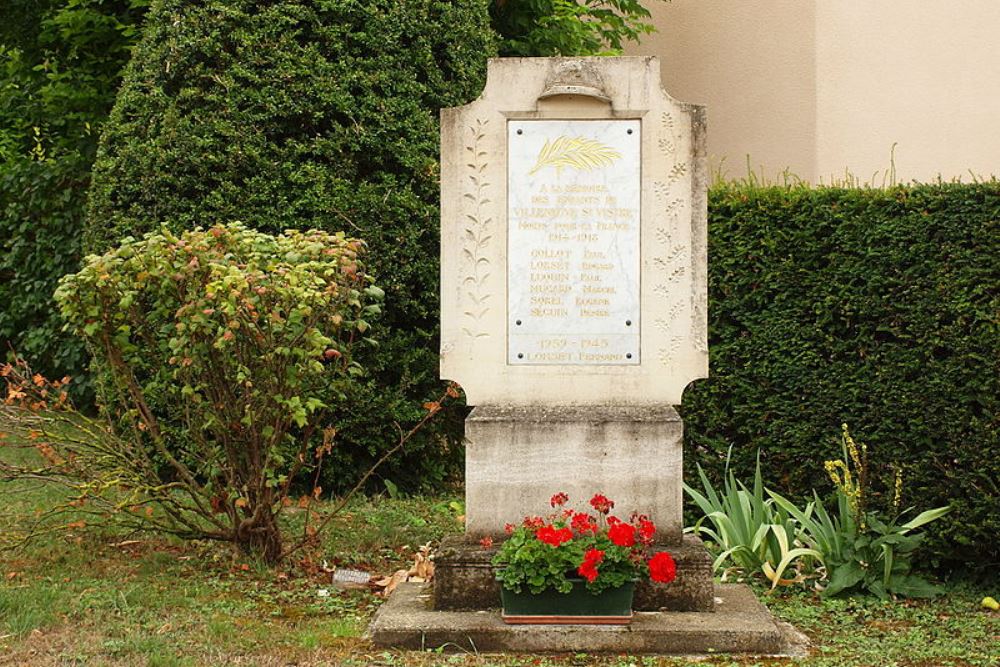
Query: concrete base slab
(739, 624)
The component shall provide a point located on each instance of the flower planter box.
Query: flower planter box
(579, 607)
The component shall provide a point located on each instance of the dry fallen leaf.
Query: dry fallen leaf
(423, 566)
(389, 584)
(421, 571)
(126, 543)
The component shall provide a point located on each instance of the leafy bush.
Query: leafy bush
(60, 64)
(878, 307)
(318, 113)
(224, 352)
(753, 532)
(860, 549)
(863, 550)
(568, 27)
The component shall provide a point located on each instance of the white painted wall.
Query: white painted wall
(824, 87)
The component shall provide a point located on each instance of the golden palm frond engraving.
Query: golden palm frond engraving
(578, 153)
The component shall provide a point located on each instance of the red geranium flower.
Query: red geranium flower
(533, 522)
(558, 499)
(591, 559)
(613, 520)
(662, 568)
(554, 536)
(622, 534)
(588, 571)
(584, 523)
(487, 542)
(646, 531)
(601, 503)
(508, 528)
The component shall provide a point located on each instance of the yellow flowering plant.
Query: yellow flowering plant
(861, 549)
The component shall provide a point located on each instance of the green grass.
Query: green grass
(98, 596)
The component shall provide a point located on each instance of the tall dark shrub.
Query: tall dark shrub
(875, 307)
(307, 113)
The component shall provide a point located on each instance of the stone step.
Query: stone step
(739, 624)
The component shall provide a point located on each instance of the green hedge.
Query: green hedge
(308, 113)
(879, 308)
(60, 64)
(41, 212)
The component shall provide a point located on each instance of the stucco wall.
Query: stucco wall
(827, 87)
(752, 63)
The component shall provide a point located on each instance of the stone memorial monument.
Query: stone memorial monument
(573, 312)
(573, 294)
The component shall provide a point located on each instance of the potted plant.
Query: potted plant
(577, 567)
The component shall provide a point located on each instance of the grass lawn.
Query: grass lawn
(98, 597)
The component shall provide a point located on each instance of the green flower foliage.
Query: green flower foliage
(547, 553)
(223, 352)
(526, 562)
(875, 307)
(315, 113)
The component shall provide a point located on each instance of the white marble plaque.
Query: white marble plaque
(573, 203)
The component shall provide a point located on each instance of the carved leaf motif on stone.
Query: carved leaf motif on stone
(670, 257)
(664, 236)
(671, 267)
(665, 323)
(676, 173)
(477, 236)
(666, 353)
(580, 153)
(667, 129)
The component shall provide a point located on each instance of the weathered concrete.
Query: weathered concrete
(517, 457)
(464, 579)
(740, 624)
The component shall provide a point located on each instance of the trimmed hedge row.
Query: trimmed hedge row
(879, 308)
(301, 114)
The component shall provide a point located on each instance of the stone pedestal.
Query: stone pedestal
(464, 579)
(516, 458)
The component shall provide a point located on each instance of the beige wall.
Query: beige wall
(824, 87)
(725, 54)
